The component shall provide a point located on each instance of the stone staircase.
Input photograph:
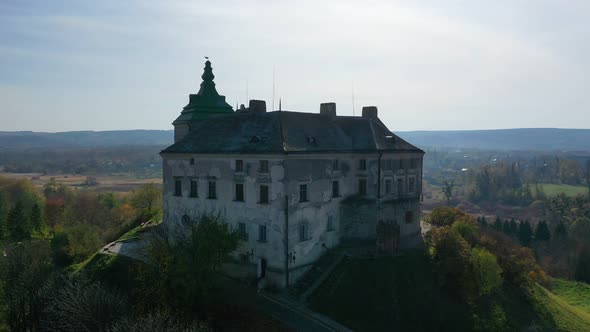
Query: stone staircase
(311, 280)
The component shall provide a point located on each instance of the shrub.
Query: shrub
(487, 272)
(445, 216)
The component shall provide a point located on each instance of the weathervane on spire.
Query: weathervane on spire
(207, 57)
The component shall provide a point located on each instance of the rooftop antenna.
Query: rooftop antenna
(353, 112)
(280, 104)
(273, 88)
(247, 99)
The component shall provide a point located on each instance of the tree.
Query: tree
(525, 233)
(3, 211)
(487, 271)
(513, 227)
(445, 216)
(76, 304)
(447, 190)
(17, 224)
(484, 222)
(582, 272)
(451, 256)
(183, 266)
(498, 224)
(24, 269)
(506, 227)
(560, 230)
(542, 232)
(147, 199)
(37, 223)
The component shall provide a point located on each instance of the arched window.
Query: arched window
(186, 220)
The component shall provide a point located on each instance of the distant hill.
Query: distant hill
(501, 139)
(70, 139)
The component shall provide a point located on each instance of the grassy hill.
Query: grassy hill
(401, 292)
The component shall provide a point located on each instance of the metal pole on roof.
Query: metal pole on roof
(353, 112)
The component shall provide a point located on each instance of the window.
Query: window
(239, 192)
(362, 164)
(212, 190)
(400, 164)
(335, 165)
(192, 161)
(362, 187)
(413, 163)
(409, 217)
(335, 188)
(400, 186)
(177, 187)
(263, 194)
(388, 164)
(303, 229)
(239, 165)
(303, 193)
(388, 185)
(330, 224)
(186, 220)
(411, 185)
(261, 233)
(263, 166)
(242, 231)
(194, 188)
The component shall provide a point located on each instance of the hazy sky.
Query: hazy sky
(112, 64)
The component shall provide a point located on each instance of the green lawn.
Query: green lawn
(574, 293)
(551, 189)
(374, 295)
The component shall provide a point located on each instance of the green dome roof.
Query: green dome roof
(206, 102)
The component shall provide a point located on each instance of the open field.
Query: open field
(114, 182)
(551, 189)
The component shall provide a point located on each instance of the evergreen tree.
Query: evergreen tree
(498, 224)
(525, 233)
(513, 227)
(582, 272)
(506, 227)
(3, 208)
(542, 232)
(479, 220)
(560, 230)
(484, 222)
(17, 224)
(36, 218)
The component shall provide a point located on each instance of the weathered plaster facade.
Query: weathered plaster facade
(323, 184)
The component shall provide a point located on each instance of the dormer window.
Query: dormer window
(255, 139)
(310, 139)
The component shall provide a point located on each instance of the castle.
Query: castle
(291, 184)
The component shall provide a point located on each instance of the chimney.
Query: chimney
(257, 106)
(370, 112)
(328, 109)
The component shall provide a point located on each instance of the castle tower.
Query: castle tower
(207, 102)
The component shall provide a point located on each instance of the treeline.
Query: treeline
(171, 291)
(567, 253)
(143, 161)
(479, 265)
(560, 237)
(75, 223)
(53, 279)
